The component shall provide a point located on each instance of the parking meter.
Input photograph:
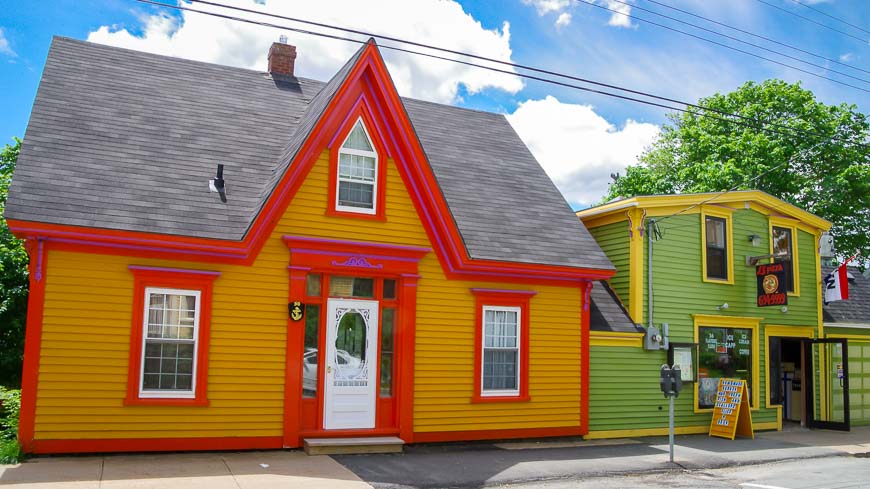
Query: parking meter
(666, 382)
(670, 381)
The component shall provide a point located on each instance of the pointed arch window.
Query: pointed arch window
(357, 182)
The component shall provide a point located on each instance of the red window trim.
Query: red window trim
(197, 280)
(503, 298)
(360, 111)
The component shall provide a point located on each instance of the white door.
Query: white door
(351, 364)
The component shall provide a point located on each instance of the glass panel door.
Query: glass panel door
(351, 355)
(827, 401)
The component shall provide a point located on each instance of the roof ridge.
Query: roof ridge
(307, 121)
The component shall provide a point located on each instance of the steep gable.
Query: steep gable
(145, 133)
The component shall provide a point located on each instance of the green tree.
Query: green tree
(827, 173)
(13, 281)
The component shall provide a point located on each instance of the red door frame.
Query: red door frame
(358, 259)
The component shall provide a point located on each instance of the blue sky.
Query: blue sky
(579, 138)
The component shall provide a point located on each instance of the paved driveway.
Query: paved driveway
(261, 470)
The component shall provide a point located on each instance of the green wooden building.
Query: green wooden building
(850, 319)
(687, 271)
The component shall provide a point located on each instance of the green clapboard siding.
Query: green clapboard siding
(624, 391)
(679, 292)
(614, 240)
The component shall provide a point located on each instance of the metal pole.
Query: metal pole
(671, 429)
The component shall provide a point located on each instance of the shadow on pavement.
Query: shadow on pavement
(474, 465)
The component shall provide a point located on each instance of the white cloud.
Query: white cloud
(546, 6)
(578, 148)
(620, 19)
(4, 45)
(847, 57)
(441, 23)
(563, 20)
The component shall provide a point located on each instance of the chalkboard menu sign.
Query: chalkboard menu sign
(731, 413)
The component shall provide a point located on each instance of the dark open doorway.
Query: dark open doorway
(786, 374)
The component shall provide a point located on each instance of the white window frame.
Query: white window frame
(176, 394)
(338, 179)
(501, 392)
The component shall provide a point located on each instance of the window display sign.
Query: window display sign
(731, 414)
(772, 285)
(722, 353)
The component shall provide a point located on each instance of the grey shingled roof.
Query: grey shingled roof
(856, 310)
(607, 313)
(126, 140)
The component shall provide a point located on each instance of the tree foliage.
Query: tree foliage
(826, 172)
(13, 281)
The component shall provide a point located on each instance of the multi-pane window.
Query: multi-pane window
(722, 353)
(357, 173)
(717, 248)
(169, 343)
(501, 351)
(783, 251)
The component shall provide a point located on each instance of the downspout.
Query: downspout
(649, 267)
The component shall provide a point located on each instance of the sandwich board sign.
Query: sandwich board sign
(731, 413)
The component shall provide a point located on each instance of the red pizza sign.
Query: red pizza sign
(771, 285)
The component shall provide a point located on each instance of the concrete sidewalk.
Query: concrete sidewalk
(429, 466)
(214, 470)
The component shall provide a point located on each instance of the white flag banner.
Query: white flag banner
(837, 285)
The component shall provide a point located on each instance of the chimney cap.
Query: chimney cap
(282, 39)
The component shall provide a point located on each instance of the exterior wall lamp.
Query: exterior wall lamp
(755, 240)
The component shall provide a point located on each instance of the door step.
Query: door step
(363, 444)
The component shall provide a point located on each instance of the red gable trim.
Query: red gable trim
(367, 85)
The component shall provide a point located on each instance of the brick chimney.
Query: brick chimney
(282, 58)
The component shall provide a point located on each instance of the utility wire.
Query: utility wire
(759, 36)
(504, 63)
(711, 41)
(757, 46)
(829, 15)
(864, 41)
(753, 123)
(736, 187)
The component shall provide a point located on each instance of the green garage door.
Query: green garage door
(859, 382)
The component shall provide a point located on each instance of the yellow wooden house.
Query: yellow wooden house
(226, 259)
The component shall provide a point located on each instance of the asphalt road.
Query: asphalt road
(830, 472)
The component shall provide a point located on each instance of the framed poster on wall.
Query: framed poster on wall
(683, 355)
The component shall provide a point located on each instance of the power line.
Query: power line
(753, 123)
(734, 188)
(864, 41)
(829, 15)
(705, 39)
(696, 26)
(759, 36)
(504, 63)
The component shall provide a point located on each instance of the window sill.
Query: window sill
(356, 215)
(488, 399)
(718, 281)
(165, 401)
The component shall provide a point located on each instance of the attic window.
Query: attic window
(357, 173)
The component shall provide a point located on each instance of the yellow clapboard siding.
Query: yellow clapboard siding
(83, 373)
(109, 433)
